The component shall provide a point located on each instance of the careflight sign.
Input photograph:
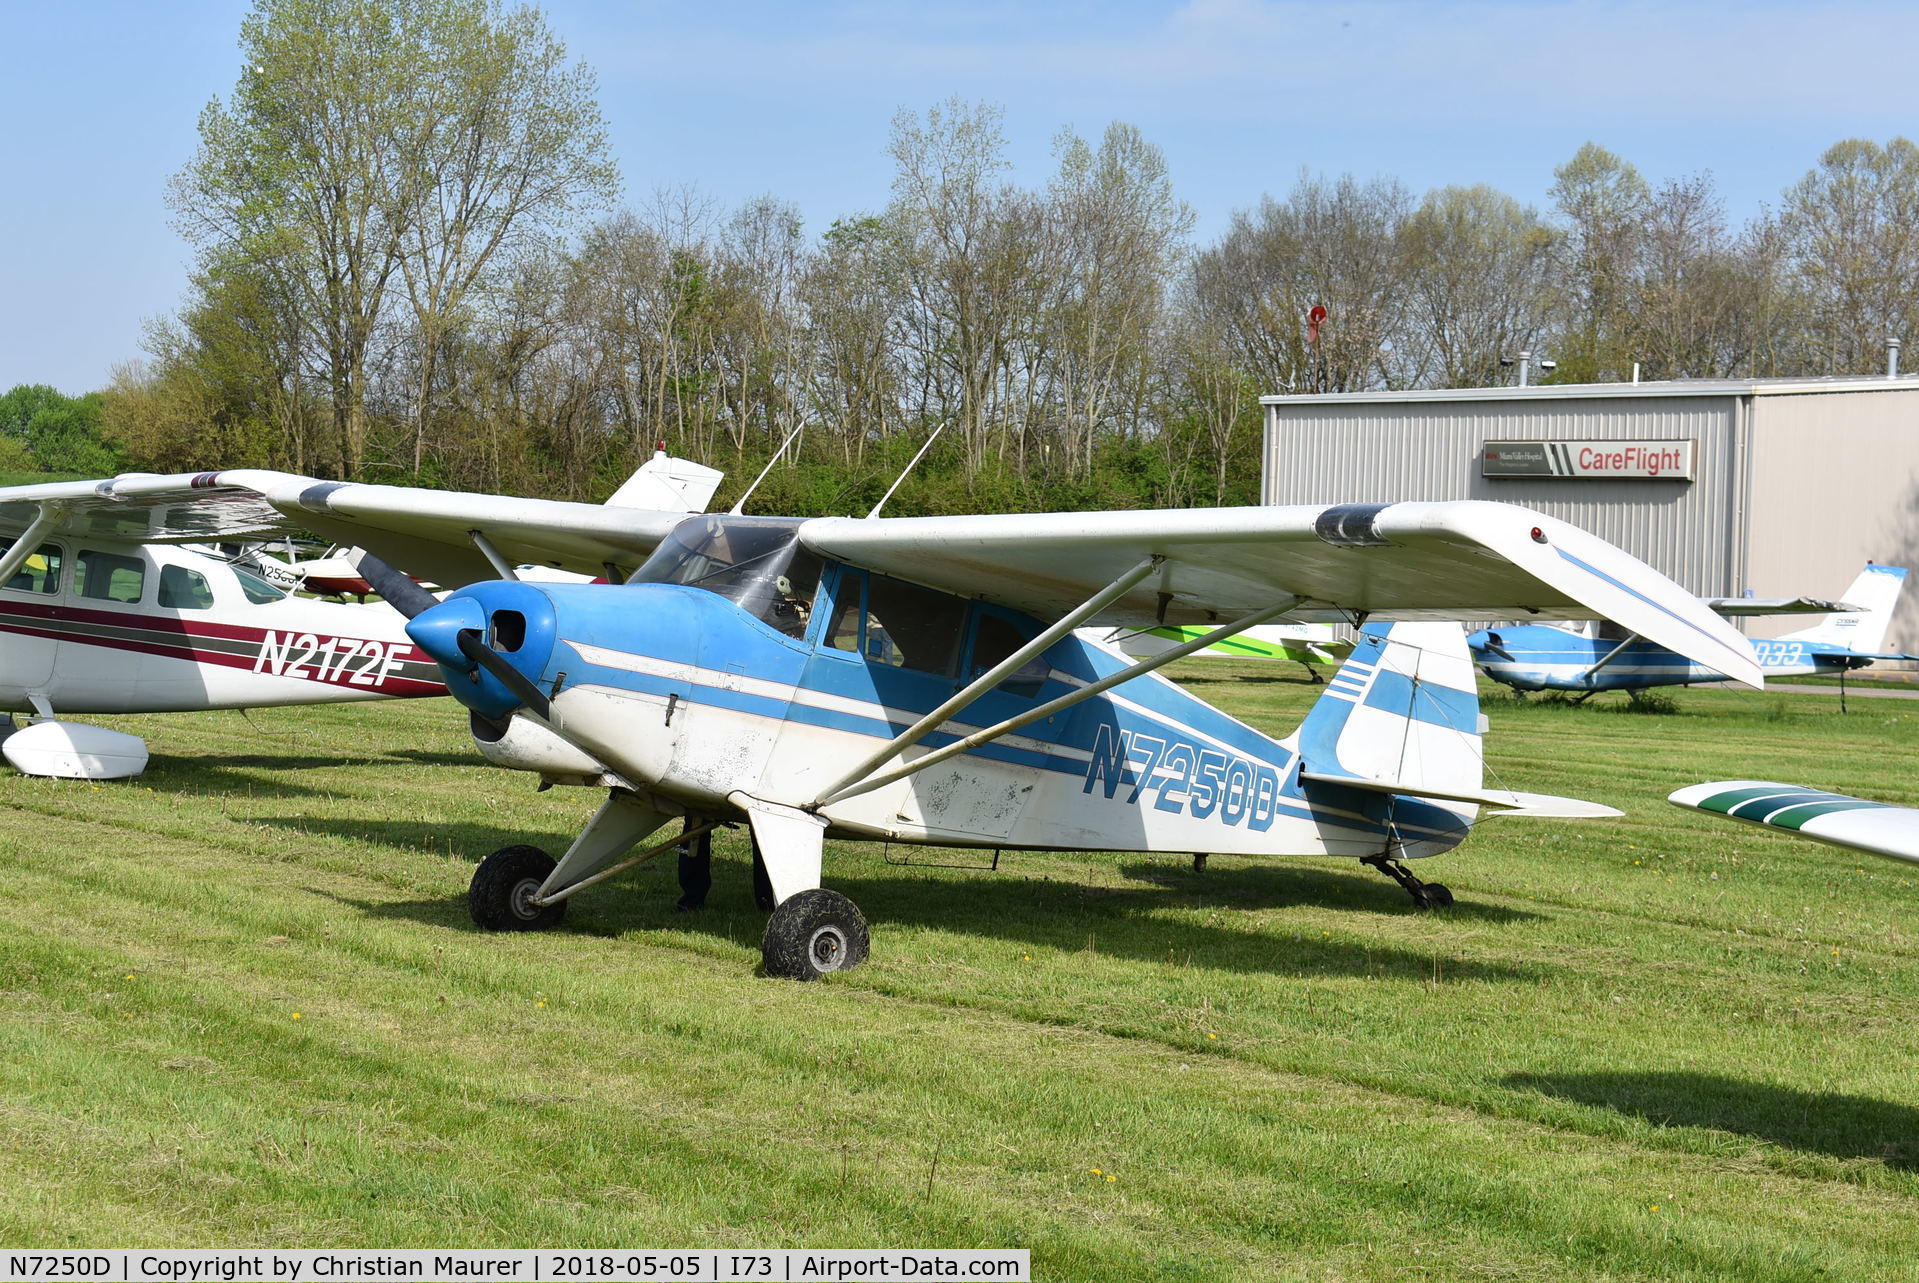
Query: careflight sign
(1593, 460)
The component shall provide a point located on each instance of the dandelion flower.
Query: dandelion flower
(296, 1015)
(1216, 1035)
(1096, 1171)
(1112, 1178)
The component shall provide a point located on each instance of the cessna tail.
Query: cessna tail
(1532, 657)
(1862, 629)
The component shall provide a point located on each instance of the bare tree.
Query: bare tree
(1478, 286)
(1851, 228)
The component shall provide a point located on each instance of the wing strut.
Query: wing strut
(492, 554)
(994, 676)
(1609, 656)
(29, 539)
(1051, 707)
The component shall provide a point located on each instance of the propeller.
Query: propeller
(399, 589)
(411, 600)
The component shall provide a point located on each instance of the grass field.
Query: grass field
(241, 1004)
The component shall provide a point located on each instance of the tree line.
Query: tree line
(411, 268)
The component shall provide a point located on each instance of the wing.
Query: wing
(1464, 560)
(1891, 831)
(1735, 607)
(427, 531)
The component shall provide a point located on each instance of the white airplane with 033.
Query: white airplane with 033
(918, 680)
(106, 607)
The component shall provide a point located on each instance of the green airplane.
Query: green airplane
(1304, 644)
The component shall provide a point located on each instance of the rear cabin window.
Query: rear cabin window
(996, 637)
(110, 576)
(913, 627)
(184, 589)
(40, 572)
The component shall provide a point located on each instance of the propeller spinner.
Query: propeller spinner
(501, 630)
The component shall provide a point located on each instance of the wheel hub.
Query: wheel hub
(828, 948)
(522, 899)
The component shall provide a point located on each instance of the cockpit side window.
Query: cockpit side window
(182, 588)
(849, 611)
(39, 573)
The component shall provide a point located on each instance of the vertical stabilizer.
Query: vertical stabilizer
(1875, 592)
(1403, 709)
(666, 484)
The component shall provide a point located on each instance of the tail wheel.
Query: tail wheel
(812, 934)
(501, 897)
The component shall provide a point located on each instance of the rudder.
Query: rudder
(1876, 591)
(1403, 709)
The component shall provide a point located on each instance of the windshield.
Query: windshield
(755, 562)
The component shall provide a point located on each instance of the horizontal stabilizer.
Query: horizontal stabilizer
(1502, 801)
(1743, 606)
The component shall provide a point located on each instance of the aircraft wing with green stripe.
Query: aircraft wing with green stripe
(1837, 818)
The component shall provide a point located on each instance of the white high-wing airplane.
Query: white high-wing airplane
(108, 610)
(918, 680)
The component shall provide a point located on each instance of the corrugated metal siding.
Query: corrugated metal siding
(1835, 484)
(1373, 453)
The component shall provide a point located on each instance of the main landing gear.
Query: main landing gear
(810, 931)
(1426, 895)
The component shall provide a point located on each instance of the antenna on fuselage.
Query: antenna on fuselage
(739, 507)
(908, 468)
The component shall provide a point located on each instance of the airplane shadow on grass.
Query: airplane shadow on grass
(1844, 1127)
(231, 777)
(1140, 922)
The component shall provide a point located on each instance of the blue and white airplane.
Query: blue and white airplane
(1609, 657)
(918, 680)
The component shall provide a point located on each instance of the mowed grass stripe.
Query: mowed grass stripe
(1346, 1005)
(279, 1058)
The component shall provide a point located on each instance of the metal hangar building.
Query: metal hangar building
(1774, 487)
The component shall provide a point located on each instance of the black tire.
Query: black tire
(1432, 895)
(499, 898)
(812, 934)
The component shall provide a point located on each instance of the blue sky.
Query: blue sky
(99, 99)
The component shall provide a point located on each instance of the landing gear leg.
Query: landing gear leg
(812, 931)
(1199, 861)
(1426, 895)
